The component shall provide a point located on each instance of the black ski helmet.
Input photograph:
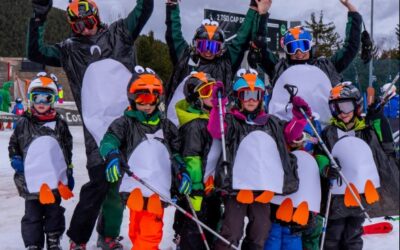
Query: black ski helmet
(192, 84)
(209, 30)
(347, 91)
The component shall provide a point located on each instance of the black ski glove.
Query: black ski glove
(332, 173)
(253, 3)
(41, 8)
(366, 46)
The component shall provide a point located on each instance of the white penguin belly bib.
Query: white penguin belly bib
(177, 96)
(151, 162)
(313, 86)
(309, 183)
(357, 162)
(104, 95)
(258, 165)
(44, 164)
(212, 159)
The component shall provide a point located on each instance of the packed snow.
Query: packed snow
(12, 206)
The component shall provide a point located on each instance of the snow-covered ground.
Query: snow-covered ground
(12, 206)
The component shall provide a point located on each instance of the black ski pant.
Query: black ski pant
(210, 214)
(257, 229)
(41, 219)
(87, 210)
(344, 233)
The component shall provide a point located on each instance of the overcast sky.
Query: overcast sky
(386, 14)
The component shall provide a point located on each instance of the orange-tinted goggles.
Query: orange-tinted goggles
(146, 98)
(205, 90)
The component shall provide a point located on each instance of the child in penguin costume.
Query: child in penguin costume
(367, 165)
(200, 153)
(260, 162)
(98, 60)
(40, 150)
(146, 143)
(208, 52)
(296, 224)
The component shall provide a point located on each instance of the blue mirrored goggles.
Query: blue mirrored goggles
(42, 97)
(302, 45)
(204, 45)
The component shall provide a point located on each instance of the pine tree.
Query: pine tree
(154, 54)
(326, 39)
(14, 19)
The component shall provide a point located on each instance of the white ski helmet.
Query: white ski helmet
(44, 81)
(390, 93)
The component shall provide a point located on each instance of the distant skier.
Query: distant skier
(18, 109)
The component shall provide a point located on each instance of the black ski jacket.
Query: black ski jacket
(29, 128)
(127, 132)
(76, 53)
(237, 130)
(388, 173)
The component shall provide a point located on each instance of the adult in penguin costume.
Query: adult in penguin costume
(260, 162)
(98, 61)
(208, 52)
(146, 142)
(200, 153)
(40, 150)
(313, 76)
(369, 167)
(297, 43)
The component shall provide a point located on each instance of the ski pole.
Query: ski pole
(203, 236)
(290, 89)
(221, 123)
(325, 225)
(187, 214)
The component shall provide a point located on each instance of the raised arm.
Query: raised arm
(343, 57)
(173, 35)
(37, 50)
(138, 17)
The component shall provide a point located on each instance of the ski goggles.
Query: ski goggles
(204, 45)
(246, 95)
(345, 107)
(205, 90)
(79, 25)
(42, 98)
(145, 97)
(302, 45)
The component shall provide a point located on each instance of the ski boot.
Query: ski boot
(53, 241)
(74, 246)
(109, 243)
(33, 248)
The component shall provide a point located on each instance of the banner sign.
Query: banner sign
(71, 116)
